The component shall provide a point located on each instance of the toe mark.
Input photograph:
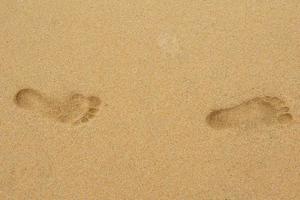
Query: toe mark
(94, 101)
(285, 118)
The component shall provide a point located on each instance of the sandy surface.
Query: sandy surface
(159, 68)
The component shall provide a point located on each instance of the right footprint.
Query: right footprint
(252, 113)
(75, 109)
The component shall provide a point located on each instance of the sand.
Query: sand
(144, 100)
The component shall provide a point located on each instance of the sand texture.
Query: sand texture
(150, 100)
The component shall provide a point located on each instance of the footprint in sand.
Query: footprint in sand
(252, 113)
(75, 109)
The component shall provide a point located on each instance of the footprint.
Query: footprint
(93, 107)
(252, 113)
(75, 109)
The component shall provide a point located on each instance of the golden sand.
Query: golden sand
(149, 100)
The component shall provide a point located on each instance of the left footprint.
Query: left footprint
(75, 109)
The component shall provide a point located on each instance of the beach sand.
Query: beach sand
(144, 100)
